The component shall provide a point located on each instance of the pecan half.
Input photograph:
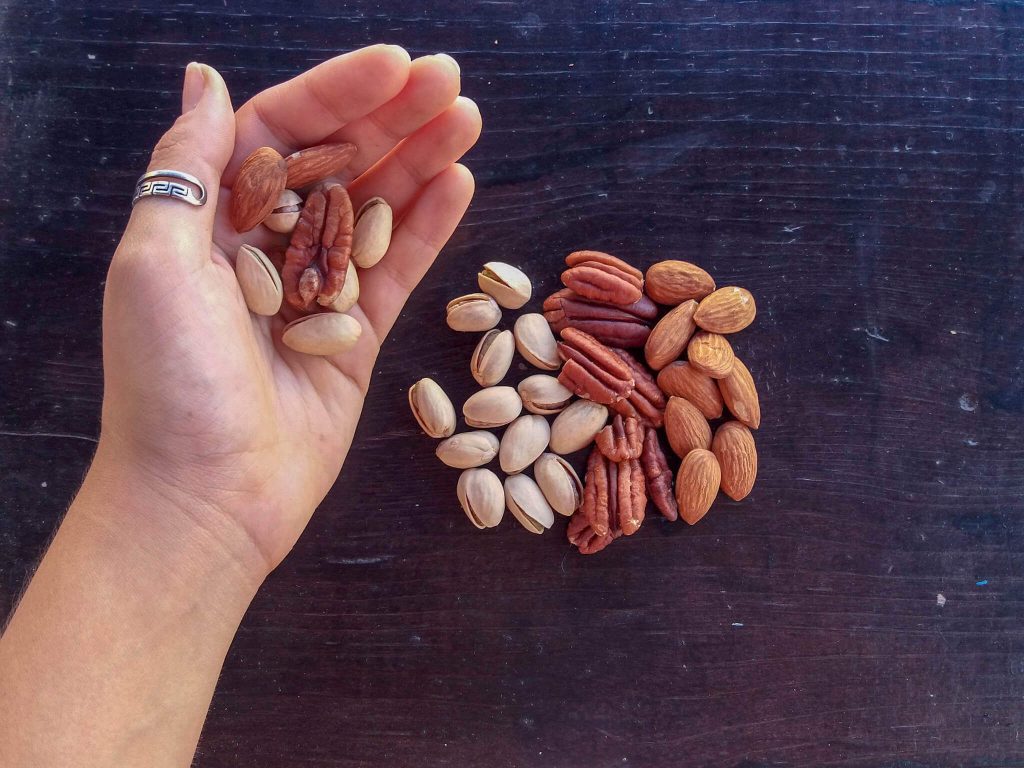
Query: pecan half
(596, 502)
(592, 370)
(316, 261)
(614, 500)
(602, 277)
(646, 402)
(658, 476)
(621, 440)
(632, 499)
(627, 326)
(583, 536)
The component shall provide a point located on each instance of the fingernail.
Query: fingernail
(192, 90)
(399, 49)
(449, 59)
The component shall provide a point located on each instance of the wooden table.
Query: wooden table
(858, 166)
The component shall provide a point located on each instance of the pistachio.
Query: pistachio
(523, 441)
(559, 483)
(527, 504)
(576, 426)
(492, 407)
(492, 357)
(432, 408)
(536, 343)
(543, 394)
(508, 285)
(328, 333)
(349, 292)
(468, 449)
(285, 214)
(481, 496)
(372, 233)
(473, 312)
(259, 281)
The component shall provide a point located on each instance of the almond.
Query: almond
(673, 282)
(711, 354)
(740, 395)
(697, 484)
(669, 337)
(686, 427)
(308, 166)
(734, 448)
(258, 185)
(683, 380)
(727, 310)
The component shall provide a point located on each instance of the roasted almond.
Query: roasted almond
(683, 380)
(669, 337)
(740, 395)
(734, 448)
(258, 185)
(697, 484)
(711, 354)
(685, 427)
(727, 310)
(673, 282)
(308, 166)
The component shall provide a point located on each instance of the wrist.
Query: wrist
(177, 535)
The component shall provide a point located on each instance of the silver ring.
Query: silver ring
(158, 184)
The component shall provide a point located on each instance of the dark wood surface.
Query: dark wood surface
(858, 166)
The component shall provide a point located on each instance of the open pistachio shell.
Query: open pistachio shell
(492, 357)
(523, 441)
(492, 407)
(559, 483)
(259, 281)
(432, 408)
(509, 286)
(350, 291)
(536, 343)
(527, 504)
(543, 394)
(371, 235)
(473, 312)
(575, 427)
(468, 449)
(481, 496)
(327, 333)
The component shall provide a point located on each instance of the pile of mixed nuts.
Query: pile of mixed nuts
(316, 273)
(606, 309)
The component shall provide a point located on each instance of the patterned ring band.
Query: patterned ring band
(159, 184)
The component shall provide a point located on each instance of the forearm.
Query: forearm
(112, 655)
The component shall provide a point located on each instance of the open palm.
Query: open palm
(202, 395)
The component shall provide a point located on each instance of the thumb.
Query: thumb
(199, 143)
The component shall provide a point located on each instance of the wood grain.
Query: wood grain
(857, 166)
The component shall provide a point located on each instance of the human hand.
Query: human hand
(203, 405)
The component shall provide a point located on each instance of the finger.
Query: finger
(431, 220)
(397, 177)
(307, 109)
(400, 174)
(434, 83)
(199, 143)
